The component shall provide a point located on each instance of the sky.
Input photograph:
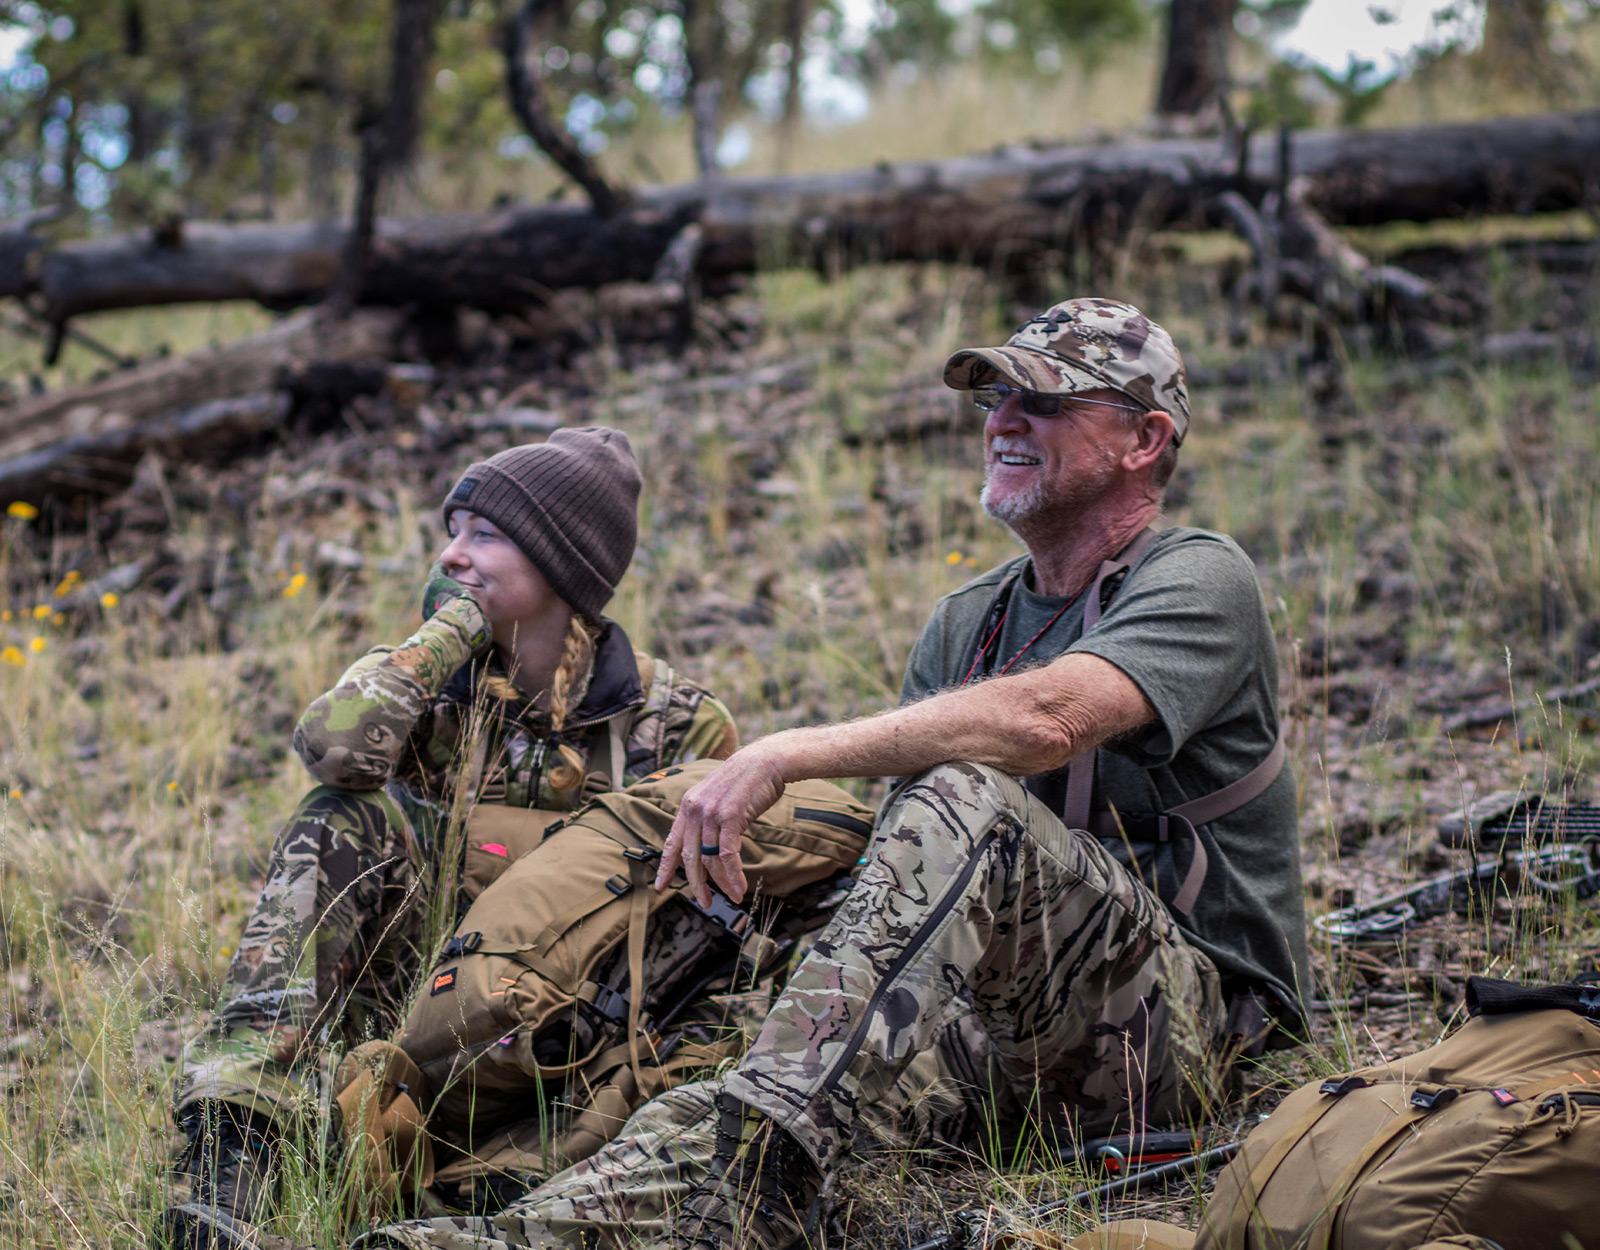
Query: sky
(1385, 32)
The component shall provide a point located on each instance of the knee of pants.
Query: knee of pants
(368, 819)
(975, 793)
(970, 799)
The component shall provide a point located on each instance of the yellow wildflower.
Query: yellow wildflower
(5, 615)
(110, 600)
(36, 644)
(972, 562)
(16, 792)
(172, 785)
(22, 511)
(68, 582)
(297, 583)
(953, 559)
(13, 655)
(41, 611)
(224, 951)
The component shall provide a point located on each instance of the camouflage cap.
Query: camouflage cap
(1079, 345)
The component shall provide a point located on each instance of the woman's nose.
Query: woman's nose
(455, 555)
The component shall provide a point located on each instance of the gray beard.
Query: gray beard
(1046, 507)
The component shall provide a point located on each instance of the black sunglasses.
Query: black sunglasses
(1035, 404)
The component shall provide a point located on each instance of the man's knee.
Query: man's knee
(959, 795)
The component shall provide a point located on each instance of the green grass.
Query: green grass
(790, 552)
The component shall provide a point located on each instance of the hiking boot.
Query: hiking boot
(760, 1190)
(230, 1159)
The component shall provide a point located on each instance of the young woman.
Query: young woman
(515, 688)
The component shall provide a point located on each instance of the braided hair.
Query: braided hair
(577, 655)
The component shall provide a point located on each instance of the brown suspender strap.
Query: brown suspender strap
(1080, 772)
(1187, 817)
(1214, 806)
(1236, 794)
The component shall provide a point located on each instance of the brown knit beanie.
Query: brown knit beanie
(570, 504)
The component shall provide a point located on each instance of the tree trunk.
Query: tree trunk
(1195, 73)
(533, 111)
(411, 45)
(1000, 207)
(88, 439)
(795, 13)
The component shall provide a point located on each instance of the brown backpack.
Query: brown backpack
(517, 1001)
(1489, 1140)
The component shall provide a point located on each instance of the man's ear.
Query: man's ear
(1152, 437)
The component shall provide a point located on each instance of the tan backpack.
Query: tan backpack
(1489, 1140)
(517, 1002)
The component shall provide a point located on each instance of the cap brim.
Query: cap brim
(1044, 372)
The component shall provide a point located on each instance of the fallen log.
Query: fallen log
(1009, 203)
(88, 440)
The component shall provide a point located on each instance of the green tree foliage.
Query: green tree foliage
(146, 107)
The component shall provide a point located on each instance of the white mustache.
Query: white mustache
(1006, 445)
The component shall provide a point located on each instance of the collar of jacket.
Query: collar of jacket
(614, 689)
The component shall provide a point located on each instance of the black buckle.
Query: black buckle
(722, 912)
(611, 1004)
(1339, 1086)
(1433, 1099)
(465, 944)
(618, 884)
(645, 854)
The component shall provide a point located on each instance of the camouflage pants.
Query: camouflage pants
(330, 949)
(1097, 1007)
(622, 1197)
(987, 958)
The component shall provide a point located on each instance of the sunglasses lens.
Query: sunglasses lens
(1034, 404)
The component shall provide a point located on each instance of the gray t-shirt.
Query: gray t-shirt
(1189, 627)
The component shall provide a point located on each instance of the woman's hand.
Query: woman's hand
(713, 817)
(440, 590)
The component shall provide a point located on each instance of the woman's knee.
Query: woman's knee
(330, 820)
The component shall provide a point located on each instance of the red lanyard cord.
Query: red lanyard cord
(995, 633)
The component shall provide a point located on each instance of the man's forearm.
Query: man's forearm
(1026, 724)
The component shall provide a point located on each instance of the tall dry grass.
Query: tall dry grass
(790, 552)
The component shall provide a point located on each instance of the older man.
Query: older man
(1093, 858)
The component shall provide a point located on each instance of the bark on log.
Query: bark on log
(89, 439)
(1013, 202)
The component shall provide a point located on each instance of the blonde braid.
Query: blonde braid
(577, 654)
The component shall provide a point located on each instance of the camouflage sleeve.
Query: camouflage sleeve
(353, 736)
(711, 733)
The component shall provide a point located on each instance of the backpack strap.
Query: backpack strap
(1081, 771)
(1256, 1180)
(1384, 1143)
(641, 863)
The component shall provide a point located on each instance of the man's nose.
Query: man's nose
(1008, 418)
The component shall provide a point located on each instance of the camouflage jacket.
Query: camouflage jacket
(401, 714)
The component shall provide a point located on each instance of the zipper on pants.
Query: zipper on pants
(941, 909)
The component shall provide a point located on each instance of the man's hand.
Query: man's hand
(712, 819)
(440, 590)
